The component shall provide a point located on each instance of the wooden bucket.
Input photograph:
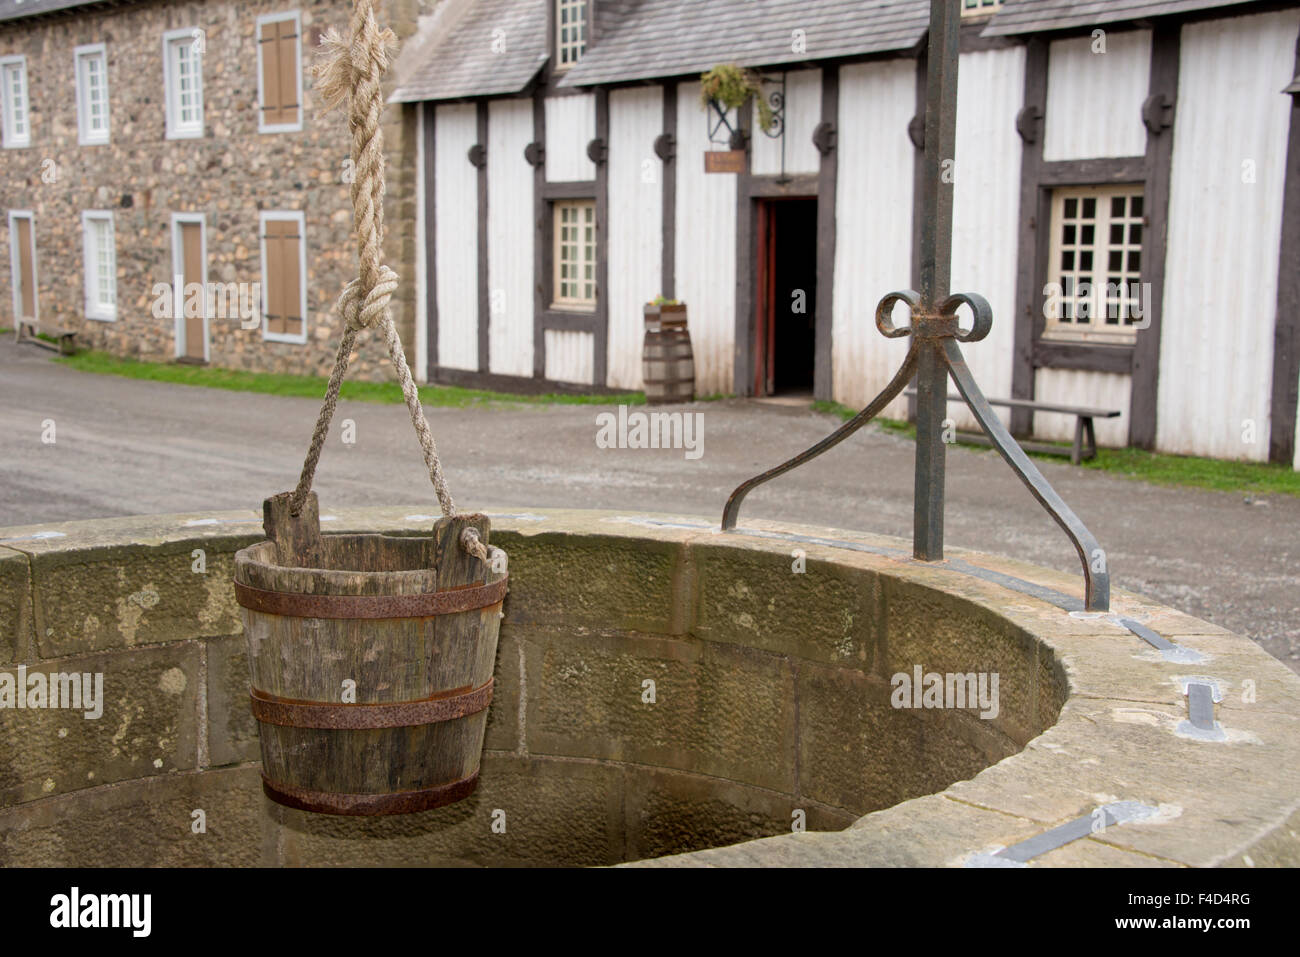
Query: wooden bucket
(371, 659)
(668, 362)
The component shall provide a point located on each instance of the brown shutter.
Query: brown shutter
(26, 272)
(283, 277)
(192, 264)
(291, 243)
(268, 40)
(288, 60)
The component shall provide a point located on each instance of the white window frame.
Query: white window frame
(1096, 329)
(981, 8)
(569, 303)
(14, 265)
(81, 55)
(176, 130)
(581, 45)
(90, 253)
(300, 218)
(11, 139)
(296, 17)
(178, 270)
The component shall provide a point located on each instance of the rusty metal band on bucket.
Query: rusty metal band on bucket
(290, 713)
(397, 802)
(299, 605)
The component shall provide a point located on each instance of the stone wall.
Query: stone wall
(772, 697)
(231, 173)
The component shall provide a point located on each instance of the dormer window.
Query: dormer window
(570, 32)
(979, 8)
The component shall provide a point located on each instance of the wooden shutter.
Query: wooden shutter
(283, 277)
(278, 42)
(26, 270)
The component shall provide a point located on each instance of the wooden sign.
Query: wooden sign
(724, 161)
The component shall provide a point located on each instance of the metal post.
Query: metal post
(936, 271)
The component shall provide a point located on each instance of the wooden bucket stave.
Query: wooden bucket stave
(421, 652)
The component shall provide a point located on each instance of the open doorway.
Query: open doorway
(786, 300)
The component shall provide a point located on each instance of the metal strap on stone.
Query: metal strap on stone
(349, 75)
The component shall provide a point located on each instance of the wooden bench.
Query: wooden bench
(1085, 437)
(28, 331)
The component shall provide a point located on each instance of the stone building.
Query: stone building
(150, 139)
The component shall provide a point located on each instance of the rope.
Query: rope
(349, 74)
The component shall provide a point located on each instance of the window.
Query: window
(284, 269)
(1094, 290)
(575, 254)
(979, 8)
(13, 88)
(101, 264)
(183, 75)
(92, 94)
(279, 73)
(570, 32)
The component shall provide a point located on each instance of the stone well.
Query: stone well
(772, 654)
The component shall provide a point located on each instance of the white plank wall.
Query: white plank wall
(803, 109)
(986, 210)
(510, 238)
(456, 197)
(873, 207)
(421, 254)
(706, 249)
(1094, 100)
(1216, 346)
(569, 356)
(1097, 390)
(570, 126)
(635, 240)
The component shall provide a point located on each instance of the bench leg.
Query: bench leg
(1076, 453)
(1090, 449)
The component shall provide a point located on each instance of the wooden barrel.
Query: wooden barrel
(371, 668)
(668, 362)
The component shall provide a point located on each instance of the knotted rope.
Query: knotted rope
(349, 75)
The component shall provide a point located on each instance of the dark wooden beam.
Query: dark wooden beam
(430, 114)
(569, 321)
(1157, 163)
(515, 384)
(791, 185)
(1097, 172)
(579, 189)
(484, 294)
(919, 187)
(668, 261)
(828, 171)
(600, 343)
(746, 256)
(541, 236)
(1035, 223)
(1084, 357)
(1286, 331)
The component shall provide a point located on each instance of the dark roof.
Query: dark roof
(646, 39)
(17, 9)
(1032, 16)
(462, 61)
